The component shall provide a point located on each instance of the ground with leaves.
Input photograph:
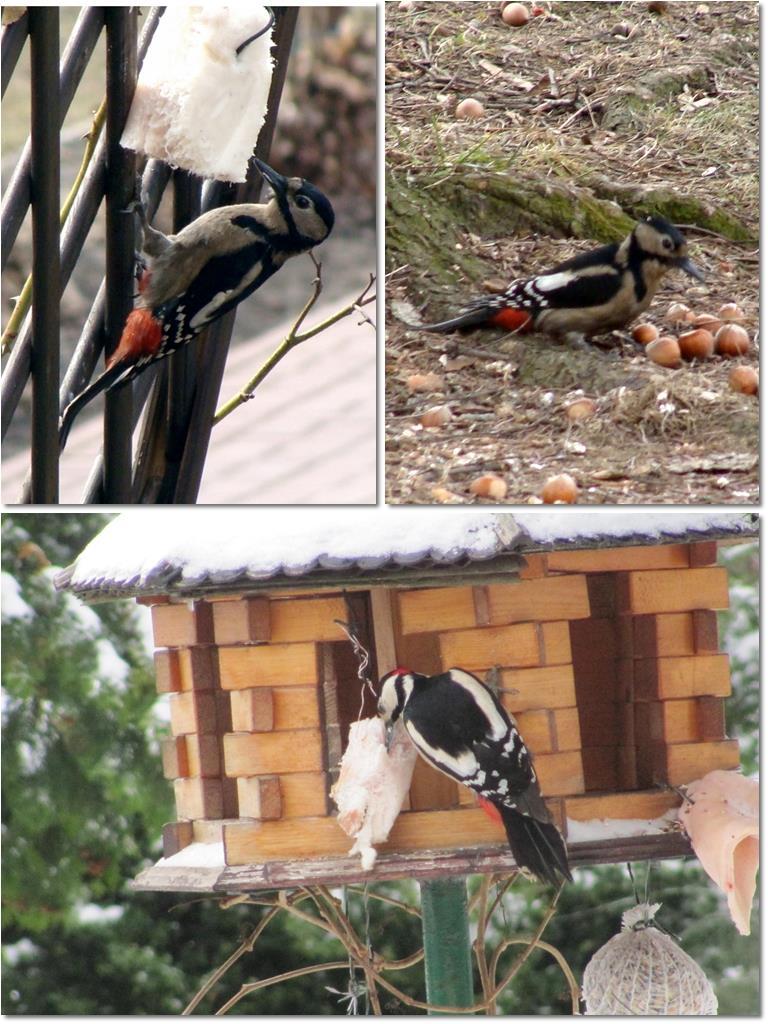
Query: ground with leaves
(615, 111)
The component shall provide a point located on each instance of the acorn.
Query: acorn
(437, 416)
(580, 409)
(489, 485)
(744, 379)
(515, 15)
(730, 311)
(665, 351)
(731, 340)
(644, 334)
(425, 382)
(697, 344)
(679, 313)
(561, 488)
(707, 322)
(470, 108)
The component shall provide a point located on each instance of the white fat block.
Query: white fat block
(198, 105)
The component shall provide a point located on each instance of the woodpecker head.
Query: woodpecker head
(662, 247)
(306, 213)
(395, 689)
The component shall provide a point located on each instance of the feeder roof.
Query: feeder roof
(192, 551)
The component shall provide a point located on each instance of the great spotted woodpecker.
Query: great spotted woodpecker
(460, 727)
(592, 293)
(199, 274)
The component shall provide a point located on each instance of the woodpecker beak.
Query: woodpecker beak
(276, 181)
(389, 730)
(690, 268)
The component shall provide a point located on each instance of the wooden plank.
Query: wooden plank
(182, 625)
(702, 552)
(199, 798)
(536, 729)
(305, 794)
(555, 643)
(241, 668)
(710, 718)
(705, 632)
(307, 619)
(665, 556)
(167, 677)
(603, 718)
(204, 755)
(152, 599)
(563, 597)
(530, 688)
(430, 789)
(193, 712)
(669, 678)
(601, 769)
(566, 729)
(245, 621)
(259, 797)
(174, 754)
(508, 646)
(198, 668)
(482, 606)
(383, 629)
(210, 831)
(176, 835)
(253, 710)
(272, 753)
(658, 636)
(459, 828)
(688, 761)
(439, 608)
(648, 804)
(560, 774)
(534, 566)
(675, 590)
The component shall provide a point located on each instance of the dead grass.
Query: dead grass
(561, 100)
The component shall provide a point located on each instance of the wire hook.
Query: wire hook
(261, 32)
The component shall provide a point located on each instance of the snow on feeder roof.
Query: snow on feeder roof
(201, 96)
(191, 550)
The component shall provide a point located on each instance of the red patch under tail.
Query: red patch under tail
(511, 319)
(141, 336)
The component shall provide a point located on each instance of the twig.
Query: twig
(254, 986)
(16, 318)
(294, 338)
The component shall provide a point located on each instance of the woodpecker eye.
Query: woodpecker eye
(303, 203)
(667, 243)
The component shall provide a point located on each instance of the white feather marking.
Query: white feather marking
(497, 724)
(551, 282)
(465, 765)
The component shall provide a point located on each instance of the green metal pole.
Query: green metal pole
(447, 948)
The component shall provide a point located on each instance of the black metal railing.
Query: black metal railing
(180, 394)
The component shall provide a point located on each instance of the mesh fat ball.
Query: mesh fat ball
(199, 104)
(642, 971)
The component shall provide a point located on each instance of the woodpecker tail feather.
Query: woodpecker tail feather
(536, 845)
(106, 380)
(482, 313)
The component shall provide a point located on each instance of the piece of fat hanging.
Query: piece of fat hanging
(372, 785)
(199, 103)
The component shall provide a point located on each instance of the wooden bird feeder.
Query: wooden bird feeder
(604, 645)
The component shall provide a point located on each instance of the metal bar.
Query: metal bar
(214, 344)
(447, 947)
(74, 61)
(44, 50)
(14, 37)
(122, 37)
(76, 230)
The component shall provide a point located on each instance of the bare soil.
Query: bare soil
(653, 106)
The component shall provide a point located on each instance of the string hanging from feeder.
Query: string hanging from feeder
(363, 662)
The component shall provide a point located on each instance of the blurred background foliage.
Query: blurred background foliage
(84, 800)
